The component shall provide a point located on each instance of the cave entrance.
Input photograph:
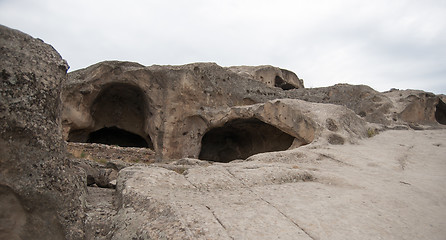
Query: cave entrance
(119, 114)
(242, 138)
(116, 136)
(440, 112)
(279, 82)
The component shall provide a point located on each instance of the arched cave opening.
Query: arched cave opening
(119, 114)
(279, 82)
(242, 138)
(116, 136)
(440, 112)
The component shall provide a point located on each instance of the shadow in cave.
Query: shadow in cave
(119, 115)
(116, 136)
(440, 112)
(279, 82)
(242, 138)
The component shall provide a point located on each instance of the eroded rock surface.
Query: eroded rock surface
(40, 191)
(418, 107)
(377, 188)
(171, 108)
(205, 152)
(270, 76)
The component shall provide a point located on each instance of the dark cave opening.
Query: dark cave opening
(279, 82)
(242, 138)
(119, 115)
(440, 112)
(116, 136)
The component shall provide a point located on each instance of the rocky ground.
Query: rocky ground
(385, 187)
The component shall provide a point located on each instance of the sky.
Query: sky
(384, 44)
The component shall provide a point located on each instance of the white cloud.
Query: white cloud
(383, 44)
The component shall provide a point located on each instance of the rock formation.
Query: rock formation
(168, 108)
(40, 191)
(178, 110)
(270, 76)
(201, 151)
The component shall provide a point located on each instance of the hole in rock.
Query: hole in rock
(119, 115)
(241, 138)
(440, 112)
(116, 136)
(279, 82)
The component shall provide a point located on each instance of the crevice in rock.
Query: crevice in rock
(242, 138)
(270, 204)
(440, 112)
(287, 217)
(322, 156)
(219, 221)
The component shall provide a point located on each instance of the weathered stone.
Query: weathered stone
(271, 76)
(163, 104)
(366, 190)
(294, 165)
(373, 106)
(42, 191)
(417, 107)
(175, 107)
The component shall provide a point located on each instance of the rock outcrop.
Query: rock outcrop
(417, 107)
(178, 110)
(270, 76)
(206, 152)
(168, 108)
(40, 191)
(195, 111)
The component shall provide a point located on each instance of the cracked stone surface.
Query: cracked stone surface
(351, 191)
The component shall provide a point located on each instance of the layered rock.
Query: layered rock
(40, 192)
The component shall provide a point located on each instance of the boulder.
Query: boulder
(41, 193)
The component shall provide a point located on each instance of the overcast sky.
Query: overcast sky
(381, 43)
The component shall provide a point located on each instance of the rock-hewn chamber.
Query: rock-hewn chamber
(118, 116)
(169, 107)
(174, 108)
(241, 138)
